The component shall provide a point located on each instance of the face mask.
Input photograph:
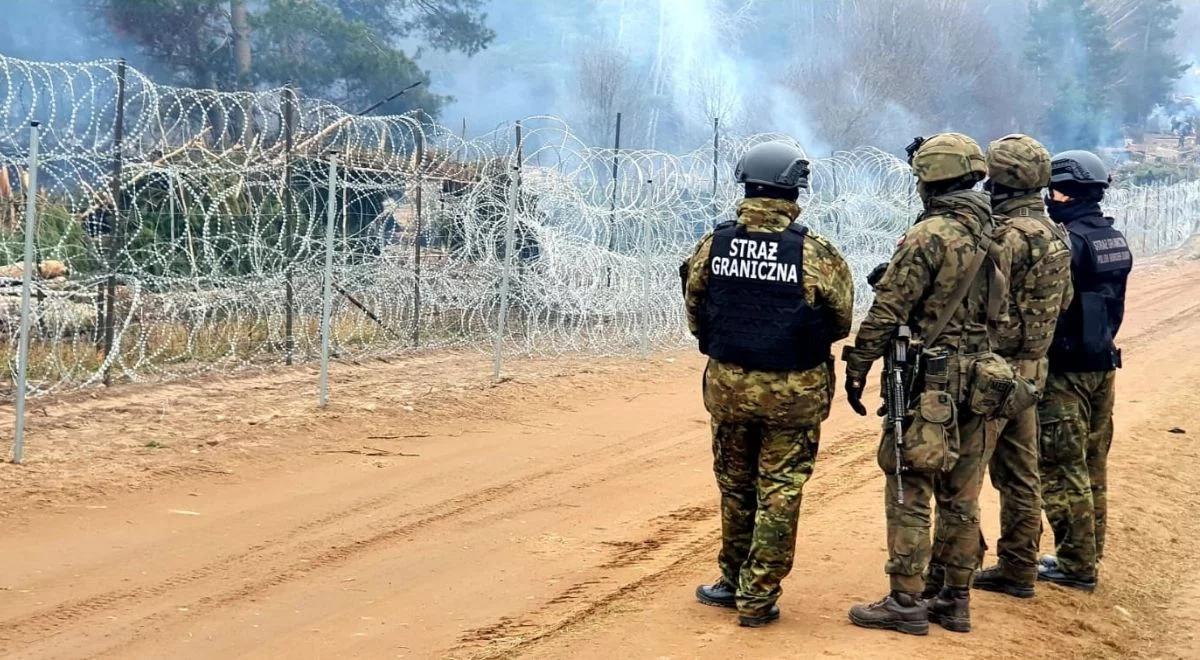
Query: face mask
(1066, 212)
(923, 193)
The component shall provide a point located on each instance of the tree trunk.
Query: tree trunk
(239, 21)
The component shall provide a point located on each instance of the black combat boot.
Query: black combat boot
(994, 579)
(951, 609)
(1057, 576)
(717, 594)
(934, 579)
(1049, 561)
(759, 620)
(898, 611)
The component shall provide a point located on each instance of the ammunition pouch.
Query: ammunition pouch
(936, 373)
(1024, 396)
(992, 386)
(931, 441)
(1030, 381)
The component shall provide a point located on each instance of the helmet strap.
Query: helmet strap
(772, 192)
(1002, 193)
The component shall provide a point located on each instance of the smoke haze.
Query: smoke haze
(832, 74)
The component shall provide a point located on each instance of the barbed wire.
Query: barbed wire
(215, 242)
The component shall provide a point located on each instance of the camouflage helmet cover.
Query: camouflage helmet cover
(1019, 162)
(948, 156)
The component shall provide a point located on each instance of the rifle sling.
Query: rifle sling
(960, 292)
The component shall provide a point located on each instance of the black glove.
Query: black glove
(854, 392)
(876, 274)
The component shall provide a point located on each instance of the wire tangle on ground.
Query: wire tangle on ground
(214, 238)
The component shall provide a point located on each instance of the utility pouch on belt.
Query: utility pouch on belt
(1029, 378)
(991, 384)
(1025, 395)
(931, 442)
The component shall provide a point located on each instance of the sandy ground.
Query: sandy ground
(567, 512)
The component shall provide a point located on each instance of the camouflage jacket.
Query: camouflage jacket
(923, 274)
(799, 398)
(1039, 256)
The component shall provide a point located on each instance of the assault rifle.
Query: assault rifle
(896, 389)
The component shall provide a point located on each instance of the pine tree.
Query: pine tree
(1078, 68)
(1143, 32)
(347, 51)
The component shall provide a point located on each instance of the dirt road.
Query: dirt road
(569, 512)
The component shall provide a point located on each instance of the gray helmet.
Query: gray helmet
(1078, 166)
(776, 164)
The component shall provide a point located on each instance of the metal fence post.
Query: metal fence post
(416, 332)
(171, 208)
(327, 292)
(289, 293)
(26, 285)
(716, 155)
(646, 272)
(1162, 226)
(612, 207)
(116, 235)
(506, 269)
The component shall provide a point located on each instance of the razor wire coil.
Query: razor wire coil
(216, 219)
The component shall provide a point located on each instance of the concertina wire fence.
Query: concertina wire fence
(213, 242)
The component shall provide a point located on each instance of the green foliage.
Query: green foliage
(184, 41)
(1149, 68)
(1073, 58)
(1098, 71)
(1167, 173)
(60, 237)
(347, 51)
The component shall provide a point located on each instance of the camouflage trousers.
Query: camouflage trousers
(956, 545)
(1014, 472)
(761, 470)
(1076, 420)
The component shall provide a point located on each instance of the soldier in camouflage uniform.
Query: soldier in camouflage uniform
(922, 279)
(1039, 290)
(765, 297)
(1076, 409)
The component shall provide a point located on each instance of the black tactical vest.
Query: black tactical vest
(755, 314)
(1084, 337)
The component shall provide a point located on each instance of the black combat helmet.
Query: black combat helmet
(774, 164)
(1078, 167)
